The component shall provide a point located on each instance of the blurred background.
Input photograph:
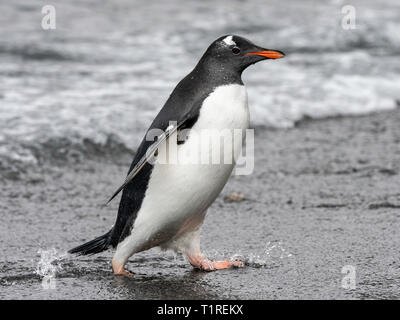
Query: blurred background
(99, 79)
(76, 101)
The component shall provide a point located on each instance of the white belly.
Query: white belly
(179, 192)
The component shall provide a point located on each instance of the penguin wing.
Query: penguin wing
(148, 155)
(147, 148)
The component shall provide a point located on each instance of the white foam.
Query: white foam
(281, 94)
(111, 92)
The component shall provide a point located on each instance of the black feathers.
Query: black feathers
(95, 246)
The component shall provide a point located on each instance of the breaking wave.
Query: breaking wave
(91, 88)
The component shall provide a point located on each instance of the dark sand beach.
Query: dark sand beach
(323, 195)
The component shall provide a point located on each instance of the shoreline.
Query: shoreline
(324, 195)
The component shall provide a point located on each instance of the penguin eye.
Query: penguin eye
(235, 50)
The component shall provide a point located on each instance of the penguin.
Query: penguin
(164, 203)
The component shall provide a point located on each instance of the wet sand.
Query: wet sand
(323, 195)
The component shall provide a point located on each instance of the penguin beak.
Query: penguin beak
(269, 54)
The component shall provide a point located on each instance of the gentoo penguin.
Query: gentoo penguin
(164, 203)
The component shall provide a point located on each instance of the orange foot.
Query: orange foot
(208, 265)
(119, 270)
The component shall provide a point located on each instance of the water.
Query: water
(74, 104)
(116, 63)
(48, 267)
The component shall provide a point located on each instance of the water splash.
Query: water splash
(48, 266)
(273, 253)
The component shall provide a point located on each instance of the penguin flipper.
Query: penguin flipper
(149, 154)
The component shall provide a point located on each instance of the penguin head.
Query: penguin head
(235, 53)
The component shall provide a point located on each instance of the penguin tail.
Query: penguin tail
(94, 246)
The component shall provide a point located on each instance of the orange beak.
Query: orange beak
(270, 54)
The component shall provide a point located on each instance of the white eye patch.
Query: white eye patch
(229, 41)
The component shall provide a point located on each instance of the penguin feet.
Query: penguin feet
(228, 264)
(119, 270)
(204, 264)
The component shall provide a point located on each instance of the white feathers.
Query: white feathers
(229, 41)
